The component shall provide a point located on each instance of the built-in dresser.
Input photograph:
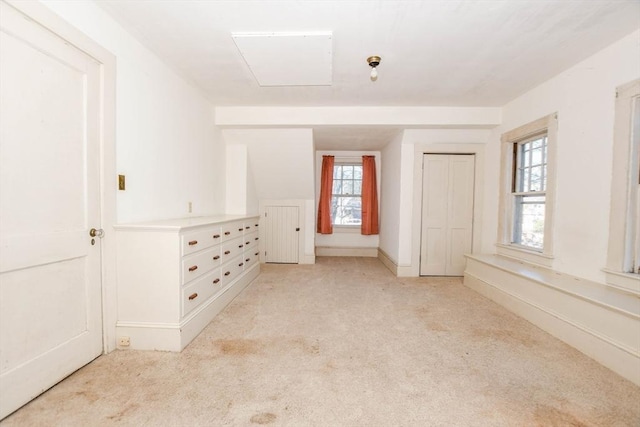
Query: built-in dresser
(175, 276)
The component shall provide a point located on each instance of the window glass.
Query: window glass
(346, 201)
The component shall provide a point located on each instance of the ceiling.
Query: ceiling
(437, 53)
(434, 52)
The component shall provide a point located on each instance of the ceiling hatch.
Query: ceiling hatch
(287, 58)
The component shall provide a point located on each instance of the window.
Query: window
(346, 199)
(623, 257)
(527, 196)
(529, 192)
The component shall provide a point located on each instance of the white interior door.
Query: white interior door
(447, 213)
(281, 234)
(50, 273)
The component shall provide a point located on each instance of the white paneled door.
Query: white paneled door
(281, 234)
(447, 213)
(50, 271)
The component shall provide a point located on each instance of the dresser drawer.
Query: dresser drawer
(251, 226)
(232, 230)
(196, 265)
(201, 239)
(250, 259)
(251, 241)
(231, 270)
(201, 290)
(232, 249)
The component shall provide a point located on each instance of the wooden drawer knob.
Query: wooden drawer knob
(240, 246)
(216, 281)
(240, 229)
(248, 259)
(247, 227)
(216, 236)
(227, 252)
(193, 268)
(241, 264)
(193, 296)
(226, 233)
(217, 257)
(193, 242)
(227, 273)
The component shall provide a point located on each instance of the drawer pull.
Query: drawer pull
(246, 243)
(248, 259)
(216, 281)
(193, 242)
(217, 257)
(193, 296)
(226, 233)
(216, 236)
(241, 264)
(241, 246)
(256, 238)
(193, 268)
(240, 229)
(227, 273)
(227, 252)
(256, 225)
(247, 227)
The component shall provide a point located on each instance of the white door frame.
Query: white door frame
(416, 223)
(44, 16)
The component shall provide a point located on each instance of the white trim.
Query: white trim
(548, 124)
(627, 282)
(48, 19)
(346, 251)
(388, 261)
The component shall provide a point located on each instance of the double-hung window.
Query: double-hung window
(527, 191)
(346, 197)
(529, 185)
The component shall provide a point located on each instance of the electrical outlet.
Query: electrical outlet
(124, 341)
(121, 183)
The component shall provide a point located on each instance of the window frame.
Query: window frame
(511, 140)
(623, 255)
(346, 163)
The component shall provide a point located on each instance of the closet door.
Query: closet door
(281, 234)
(447, 213)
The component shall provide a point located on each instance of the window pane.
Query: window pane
(537, 143)
(536, 156)
(347, 210)
(337, 186)
(536, 179)
(357, 187)
(357, 172)
(347, 172)
(526, 160)
(347, 187)
(337, 172)
(529, 221)
(524, 180)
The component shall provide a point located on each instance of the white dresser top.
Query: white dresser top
(178, 224)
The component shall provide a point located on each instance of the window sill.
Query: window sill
(523, 254)
(346, 228)
(628, 282)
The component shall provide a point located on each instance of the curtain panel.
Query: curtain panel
(369, 196)
(326, 188)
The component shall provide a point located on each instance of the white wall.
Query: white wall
(342, 237)
(390, 198)
(583, 96)
(165, 138)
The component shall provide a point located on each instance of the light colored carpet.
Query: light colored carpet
(345, 343)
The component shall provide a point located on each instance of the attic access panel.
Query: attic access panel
(288, 59)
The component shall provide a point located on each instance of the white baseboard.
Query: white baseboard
(176, 336)
(388, 262)
(344, 251)
(308, 259)
(591, 328)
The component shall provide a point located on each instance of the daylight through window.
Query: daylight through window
(529, 191)
(346, 200)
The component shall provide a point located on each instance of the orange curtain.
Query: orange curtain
(369, 196)
(326, 188)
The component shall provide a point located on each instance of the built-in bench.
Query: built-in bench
(601, 321)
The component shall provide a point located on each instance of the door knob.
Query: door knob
(96, 232)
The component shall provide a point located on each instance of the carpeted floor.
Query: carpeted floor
(345, 343)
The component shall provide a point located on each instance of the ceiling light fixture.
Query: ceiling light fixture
(374, 61)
